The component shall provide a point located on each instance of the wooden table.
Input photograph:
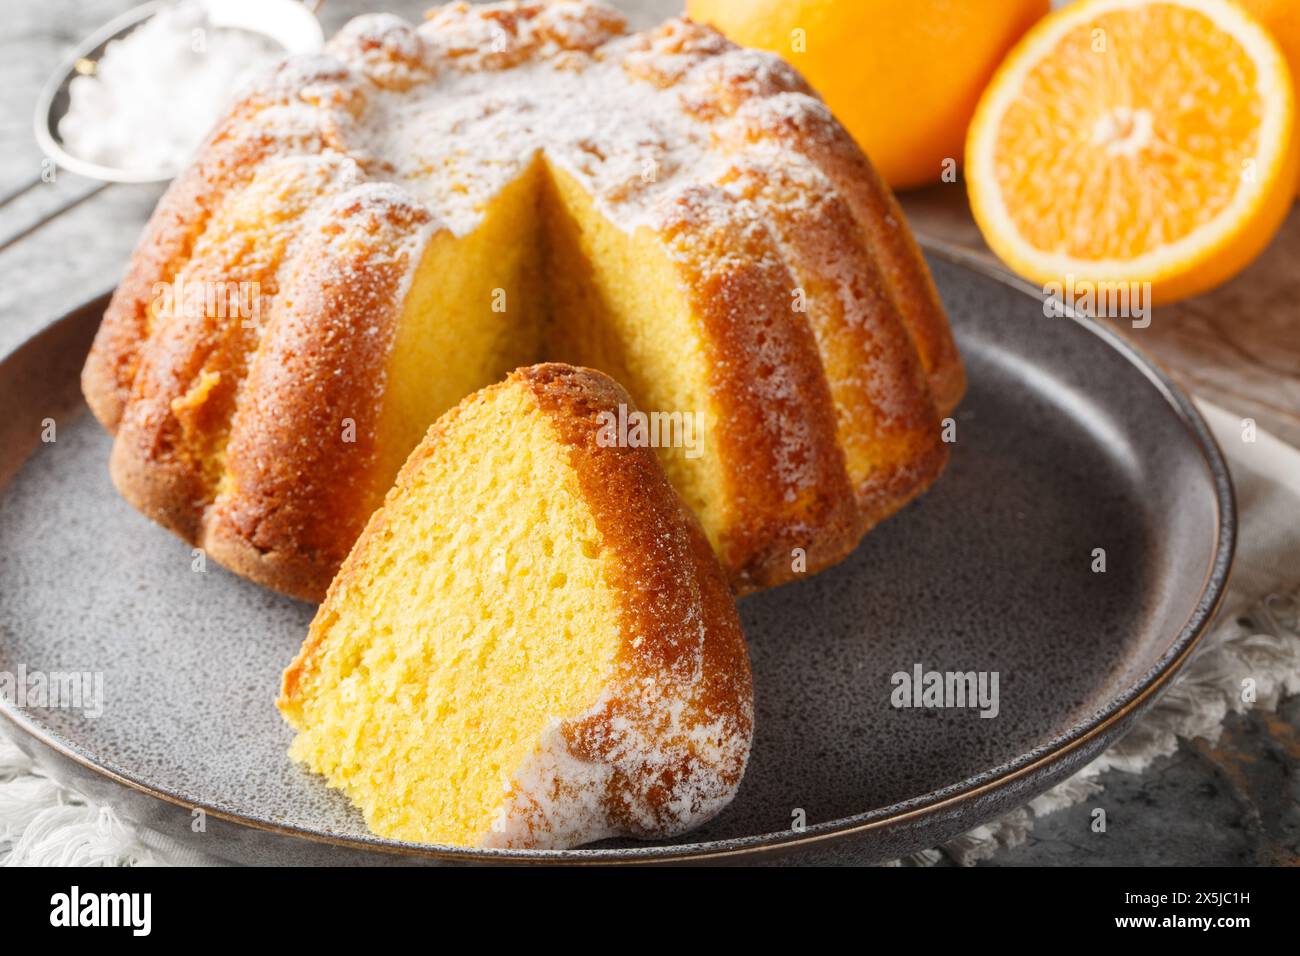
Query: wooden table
(1238, 345)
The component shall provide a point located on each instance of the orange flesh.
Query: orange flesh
(1113, 154)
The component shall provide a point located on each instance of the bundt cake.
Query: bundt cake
(372, 234)
(548, 604)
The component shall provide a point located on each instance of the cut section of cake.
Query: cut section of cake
(427, 207)
(531, 644)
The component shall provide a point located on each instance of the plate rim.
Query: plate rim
(1121, 706)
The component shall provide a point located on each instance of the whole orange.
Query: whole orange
(902, 75)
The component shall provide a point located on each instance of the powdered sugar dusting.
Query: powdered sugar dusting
(458, 140)
(683, 767)
(456, 108)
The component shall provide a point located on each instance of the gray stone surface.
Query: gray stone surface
(1235, 803)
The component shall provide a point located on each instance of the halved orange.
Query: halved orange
(1135, 141)
(1282, 20)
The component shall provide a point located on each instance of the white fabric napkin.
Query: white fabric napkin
(1258, 633)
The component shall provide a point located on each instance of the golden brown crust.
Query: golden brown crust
(676, 723)
(804, 125)
(679, 621)
(304, 661)
(303, 464)
(776, 433)
(281, 499)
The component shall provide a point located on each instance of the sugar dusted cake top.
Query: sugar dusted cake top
(457, 107)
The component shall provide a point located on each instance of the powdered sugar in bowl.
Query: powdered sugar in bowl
(133, 100)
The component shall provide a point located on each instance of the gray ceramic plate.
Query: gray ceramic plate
(1068, 441)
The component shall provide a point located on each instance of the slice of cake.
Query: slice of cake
(531, 644)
